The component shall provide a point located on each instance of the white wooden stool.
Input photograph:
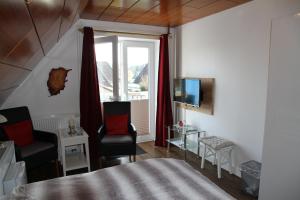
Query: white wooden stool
(220, 148)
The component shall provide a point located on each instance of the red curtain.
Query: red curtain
(164, 116)
(90, 108)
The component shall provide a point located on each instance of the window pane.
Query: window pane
(104, 60)
(138, 67)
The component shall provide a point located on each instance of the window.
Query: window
(105, 72)
(106, 49)
(138, 59)
(124, 68)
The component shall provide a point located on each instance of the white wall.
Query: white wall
(33, 92)
(280, 178)
(233, 47)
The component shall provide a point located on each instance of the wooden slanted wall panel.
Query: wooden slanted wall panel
(82, 5)
(94, 9)
(116, 9)
(11, 76)
(19, 43)
(68, 15)
(5, 93)
(28, 30)
(46, 16)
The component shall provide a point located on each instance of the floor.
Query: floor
(230, 183)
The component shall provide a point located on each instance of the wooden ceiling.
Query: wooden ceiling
(155, 12)
(30, 28)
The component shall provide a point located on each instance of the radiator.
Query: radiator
(52, 124)
(47, 124)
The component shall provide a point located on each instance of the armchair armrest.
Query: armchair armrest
(132, 131)
(101, 132)
(45, 136)
(18, 153)
(132, 128)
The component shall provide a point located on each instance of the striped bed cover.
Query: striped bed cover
(160, 178)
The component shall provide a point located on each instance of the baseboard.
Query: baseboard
(144, 138)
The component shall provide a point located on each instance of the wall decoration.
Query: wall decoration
(57, 79)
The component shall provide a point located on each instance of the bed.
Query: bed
(160, 178)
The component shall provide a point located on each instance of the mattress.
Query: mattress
(160, 178)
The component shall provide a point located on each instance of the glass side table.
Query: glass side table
(181, 134)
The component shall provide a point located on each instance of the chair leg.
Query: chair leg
(230, 161)
(215, 159)
(130, 160)
(57, 168)
(100, 162)
(134, 158)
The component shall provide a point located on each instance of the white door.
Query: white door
(138, 82)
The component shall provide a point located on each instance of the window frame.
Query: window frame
(114, 41)
(151, 61)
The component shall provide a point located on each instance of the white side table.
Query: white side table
(71, 161)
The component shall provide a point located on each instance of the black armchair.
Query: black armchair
(44, 146)
(115, 145)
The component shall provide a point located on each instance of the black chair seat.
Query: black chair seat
(117, 139)
(35, 148)
(37, 153)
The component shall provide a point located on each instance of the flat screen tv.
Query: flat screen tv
(192, 92)
(187, 91)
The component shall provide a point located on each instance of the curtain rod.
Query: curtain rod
(124, 32)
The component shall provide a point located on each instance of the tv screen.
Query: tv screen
(178, 90)
(192, 91)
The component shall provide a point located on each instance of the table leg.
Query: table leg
(203, 157)
(198, 142)
(184, 143)
(63, 155)
(81, 148)
(86, 144)
(169, 132)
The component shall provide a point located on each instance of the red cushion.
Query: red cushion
(116, 124)
(20, 133)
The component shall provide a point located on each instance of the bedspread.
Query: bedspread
(160, 178)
